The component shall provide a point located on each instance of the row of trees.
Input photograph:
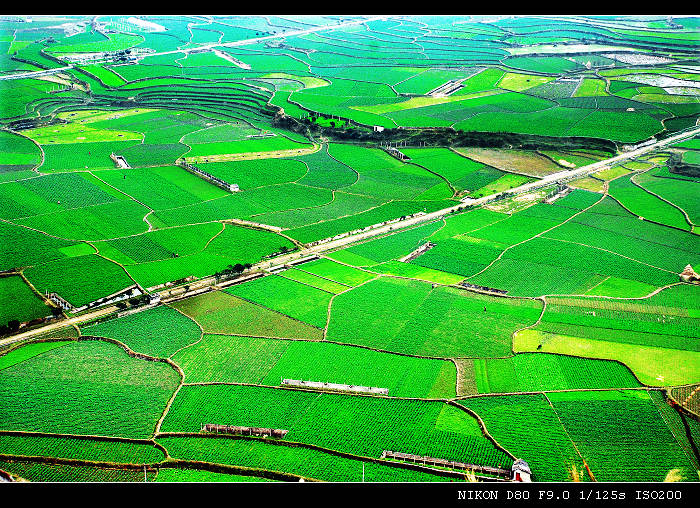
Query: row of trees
(231, 270)
(134, 302)
(441, 136)
(13, 325)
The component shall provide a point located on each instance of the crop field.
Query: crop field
(18, 301)
(219, 312)
(549, 449)
(630, 419)
(462, 173)
(314, 281)
(39, 472)
(541, 372)
(372, 205)
(80, 449)
(286, 296)
(303, 462)
(98, 277)
(343, 274)
(88, 388)
(426, 427)
(160, 256)
(394, 246)
(219, 358)
(637, 201)
(407, 316)
(521, 162)
(157, 332)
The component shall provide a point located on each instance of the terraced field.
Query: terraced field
(316, 224)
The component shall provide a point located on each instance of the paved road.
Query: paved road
(256, 40)
(57, 325)
(201, 284)
(35, 74)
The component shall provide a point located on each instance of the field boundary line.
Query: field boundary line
(17, 345)
(687, 218)
(100, 464)
(201, 331)
(158, 229)
(83, 437)
(298, 208)
(357, 173)
(329, 451)
(37, 292)
(325, 278)
(610, 252)
(643, 387)
(142, 356)
(449, 184)
(122, 192)
(482, 425)
(673, 432)
(330, 303)
(35, 169)
(644, 218)
(118, 264)
(535, 236)
(539, 320)
(598, 284)
(569, 436)
(223, 227)
(304, 283)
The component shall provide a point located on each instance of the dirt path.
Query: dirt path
(245, 156)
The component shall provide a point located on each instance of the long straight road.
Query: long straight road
(340, 242)
(35, 74)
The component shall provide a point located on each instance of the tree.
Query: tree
(13, 325)
(247, 266)
(121, 305)
(56, 311)
(134, 301)
(284, 248)
(238, 268)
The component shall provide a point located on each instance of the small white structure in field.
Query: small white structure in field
(521, 471)
(378, 128)
(689, 275)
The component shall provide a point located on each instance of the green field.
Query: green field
(407, 316)
(18, 301)
(296, 300)
(87, 388)
(432, 428)
(253, 360)
(158, 332)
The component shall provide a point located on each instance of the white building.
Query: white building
(521, 471)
